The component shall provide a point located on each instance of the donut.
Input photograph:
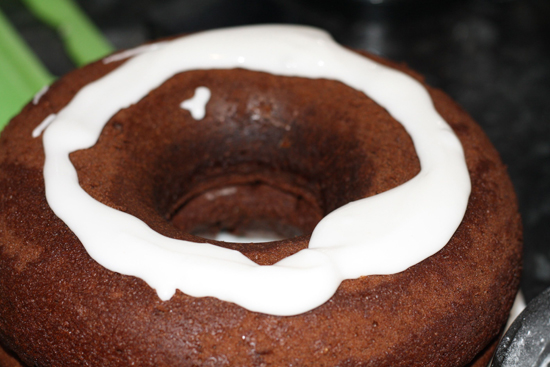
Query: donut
(398, 234)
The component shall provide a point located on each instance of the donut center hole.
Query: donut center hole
(251, 211)
(272, 156)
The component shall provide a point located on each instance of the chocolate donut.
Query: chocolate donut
(403, 240)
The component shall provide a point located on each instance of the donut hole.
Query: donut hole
(255, 211)
(269, 181)
(272, 156)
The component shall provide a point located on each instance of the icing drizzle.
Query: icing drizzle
(40, 94)
(197, 104)
(383, 234)
(43, 125)
(132, 52)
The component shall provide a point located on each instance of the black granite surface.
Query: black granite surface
(492, 56)
(526, 343)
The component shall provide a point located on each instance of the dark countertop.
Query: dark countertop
(492, 56)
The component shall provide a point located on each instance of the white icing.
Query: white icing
(43, 125)
(383, 234)
(39, 94)
(230, 237)
(197, 104)
(132, 52)
(226, 191)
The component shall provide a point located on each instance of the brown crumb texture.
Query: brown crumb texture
(273, 154)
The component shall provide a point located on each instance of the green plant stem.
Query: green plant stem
(84, 43)
(21, 73)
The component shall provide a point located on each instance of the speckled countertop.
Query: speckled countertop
(492, 56)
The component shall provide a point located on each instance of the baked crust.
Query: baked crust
(298, 147)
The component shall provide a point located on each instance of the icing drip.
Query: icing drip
(132, 52)
(43, 125)
(383, 234)
(39, 95)
(197, 104)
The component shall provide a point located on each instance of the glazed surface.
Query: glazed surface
(60, 307)
(383, 234)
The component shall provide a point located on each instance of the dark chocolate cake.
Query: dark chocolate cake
(273, 154)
